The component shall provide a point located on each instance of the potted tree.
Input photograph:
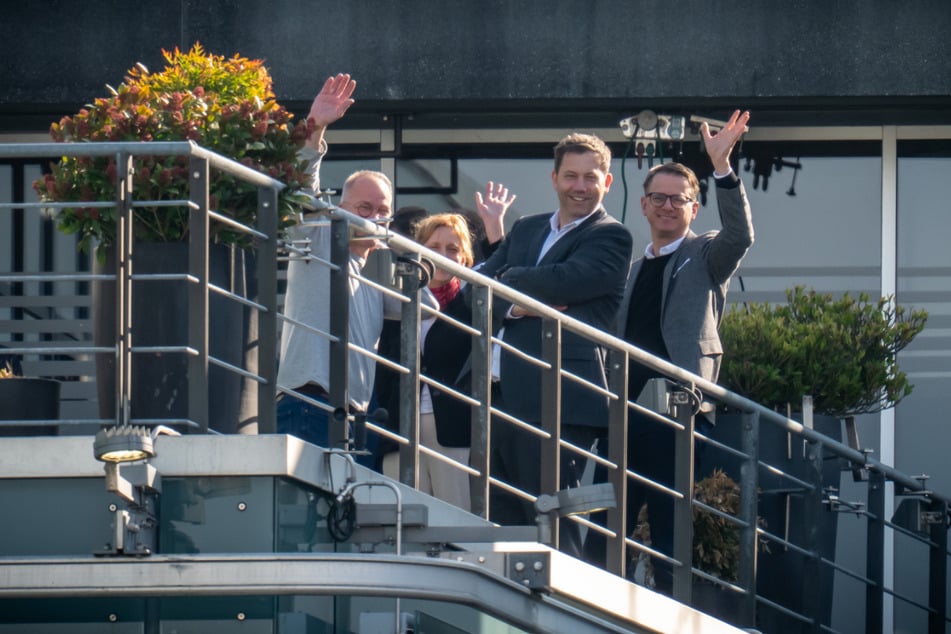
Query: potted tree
(840, 351)
(226, 105)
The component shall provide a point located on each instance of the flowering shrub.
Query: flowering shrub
(225, 105)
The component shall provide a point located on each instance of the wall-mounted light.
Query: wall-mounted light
(574, 501)
(134, 526)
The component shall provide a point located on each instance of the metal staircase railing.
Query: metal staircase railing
(683, 393)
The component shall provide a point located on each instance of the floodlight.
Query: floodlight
(578, 500)
(123, 443)
(575, 501)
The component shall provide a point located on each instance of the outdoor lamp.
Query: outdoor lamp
(574, 501)
(123, 443)
(134, 525)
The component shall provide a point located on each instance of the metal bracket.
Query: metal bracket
(531, 569)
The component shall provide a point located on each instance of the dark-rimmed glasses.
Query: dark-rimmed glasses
(677, 201)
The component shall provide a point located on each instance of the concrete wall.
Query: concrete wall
(437, 54)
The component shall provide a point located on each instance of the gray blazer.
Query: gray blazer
(585, 271)
(695, 284)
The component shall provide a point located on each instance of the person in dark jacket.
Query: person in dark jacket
(444, 420)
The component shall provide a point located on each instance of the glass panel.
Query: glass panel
(924, 281)
(68, 516)
(217, 515)
(254, 614)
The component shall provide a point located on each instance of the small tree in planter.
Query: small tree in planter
(225, 105)
(843, 352)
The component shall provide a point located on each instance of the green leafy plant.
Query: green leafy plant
(842, 351)
(226, 105)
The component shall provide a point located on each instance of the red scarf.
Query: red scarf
(446, 293)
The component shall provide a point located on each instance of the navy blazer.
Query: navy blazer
(585, 271)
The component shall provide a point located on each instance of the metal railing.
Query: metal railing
(679, 407)
(123, 350)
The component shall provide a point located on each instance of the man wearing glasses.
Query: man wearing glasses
(305, 355)
(672, 307)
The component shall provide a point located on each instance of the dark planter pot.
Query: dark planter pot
(778, 501)
(716, 601)
(29, 399)
(160, 381)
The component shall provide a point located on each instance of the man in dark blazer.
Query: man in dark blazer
(672, 307)
(577, 260)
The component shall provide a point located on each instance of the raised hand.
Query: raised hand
(492, 208)
(720, 145)
(330, 104)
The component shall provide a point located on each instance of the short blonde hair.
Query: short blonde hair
(455, 222)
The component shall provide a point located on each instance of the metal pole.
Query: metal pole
(482, 392)
(339, 328)
(749, 513)
(267, 319)
(874, 562)
(683, 411)
(198, 293)
(408, 271)
(617, 453)
(813, 592)
(937, 566)
(551, 414)
(124, 221)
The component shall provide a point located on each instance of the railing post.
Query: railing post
(267, 223)
(340, 329)
(617, 454)
(408, 272)
(123, 341)
(749, 513)
(937, 566)
(683, 410)
(551, 414)
(482, 392)
(813, 592)
(874, 548)
(198, 292)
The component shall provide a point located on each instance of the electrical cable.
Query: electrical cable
(627, 152)
(341, 519)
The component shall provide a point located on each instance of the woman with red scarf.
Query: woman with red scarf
(444, 420)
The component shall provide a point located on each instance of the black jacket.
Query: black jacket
(445, 359)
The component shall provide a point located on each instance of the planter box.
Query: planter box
(781, 505)
(29, 399)
(160, 381)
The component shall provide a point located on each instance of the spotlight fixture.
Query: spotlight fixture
(123, 443)
(574, 501)
(134, 525)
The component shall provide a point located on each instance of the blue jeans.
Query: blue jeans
(303, 420)
(311, 424)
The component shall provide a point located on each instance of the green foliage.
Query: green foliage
(843, 351)
(226, 105)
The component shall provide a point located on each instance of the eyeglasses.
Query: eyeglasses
(677, 201)
(380, 216)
